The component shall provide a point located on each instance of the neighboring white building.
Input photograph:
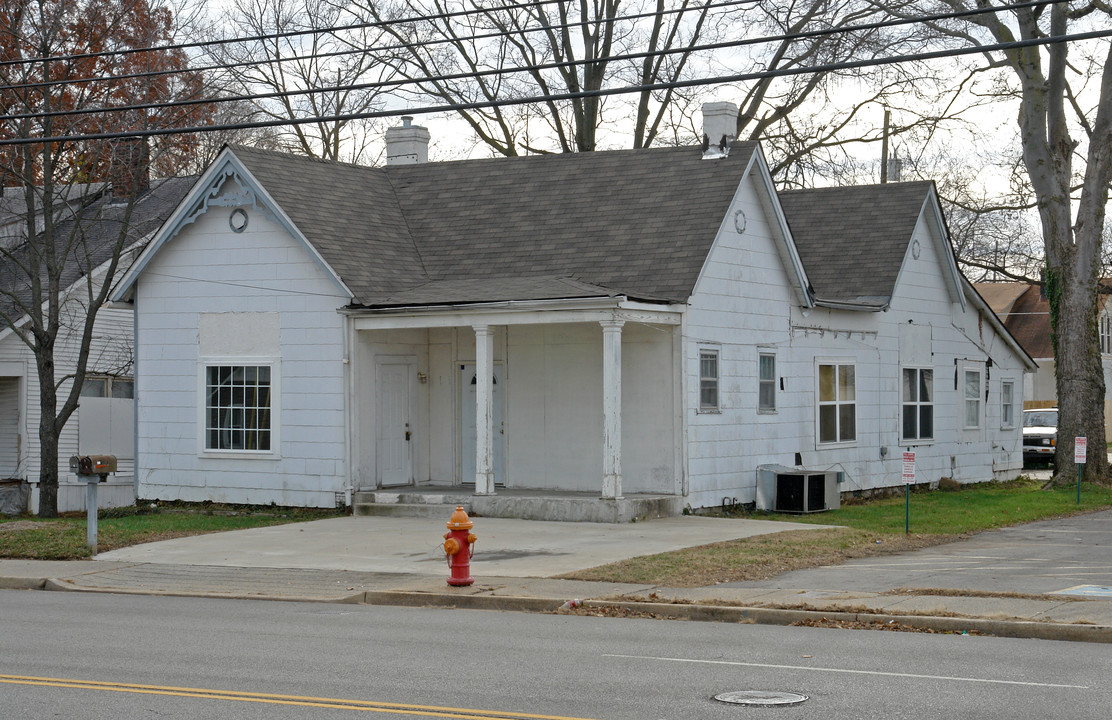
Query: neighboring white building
(653, 329)
(104, 421)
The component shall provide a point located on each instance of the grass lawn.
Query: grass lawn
(872, 527)
(64, 538)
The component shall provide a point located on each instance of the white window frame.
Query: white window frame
(763, 382)
(838, 403)
(109, 384)
(1106, 334)
(716, 380)
(918, 403)
(977, 400)
(275, 407)
(1007, 404)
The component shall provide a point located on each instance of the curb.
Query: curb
(20, 583)
(672, 611)
(756, 615)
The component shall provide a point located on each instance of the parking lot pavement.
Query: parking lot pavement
(1050, 556)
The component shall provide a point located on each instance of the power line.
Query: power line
(275, 36)
(602, 92)
(526, 68)
(400, 46)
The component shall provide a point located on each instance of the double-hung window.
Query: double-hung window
(238, 404)
(972, 389)
(837, 406)
(1007, 404)
(708, 381)
(766, 392)
(1106, 334)
(917, 398)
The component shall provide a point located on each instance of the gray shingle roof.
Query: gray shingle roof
(633, 222)
(852, 240)
(91, 237)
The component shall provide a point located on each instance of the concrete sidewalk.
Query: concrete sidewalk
(398, 561)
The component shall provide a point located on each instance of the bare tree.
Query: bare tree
(74, 200)
(324, 69)
(1064, 95)
(463, 53)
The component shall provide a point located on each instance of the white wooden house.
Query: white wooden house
(104, 421)
(594, 336)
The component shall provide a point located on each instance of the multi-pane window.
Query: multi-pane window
(1106, 334)
(918, 404)
(972, 399)
(1007, 404)
(766, 371)
(708, 380)
(837, 403)
(108, 387)
(237, 407)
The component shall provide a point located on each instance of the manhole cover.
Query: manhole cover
(761, 697)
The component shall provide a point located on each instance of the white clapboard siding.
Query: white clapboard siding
(109, 353)
(263, 271)
(744, 305)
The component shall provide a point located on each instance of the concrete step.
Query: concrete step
(407, 497)
(424, 510)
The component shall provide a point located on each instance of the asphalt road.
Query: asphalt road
(194, 658)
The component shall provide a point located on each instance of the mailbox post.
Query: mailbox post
(93, 469)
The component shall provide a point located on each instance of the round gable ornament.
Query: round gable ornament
(238, 220)
(915, 249)
(739, 221)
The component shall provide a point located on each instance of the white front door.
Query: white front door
(467, 387)
(393, 393)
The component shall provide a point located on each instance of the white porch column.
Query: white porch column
(484, 416)
(612, 408)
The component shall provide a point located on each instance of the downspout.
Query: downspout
(135, 388)
(349, 383)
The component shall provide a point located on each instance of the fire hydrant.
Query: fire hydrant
(459, 546)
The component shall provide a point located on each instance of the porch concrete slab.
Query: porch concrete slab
(505, 547)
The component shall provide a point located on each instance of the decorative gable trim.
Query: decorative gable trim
(208, 193)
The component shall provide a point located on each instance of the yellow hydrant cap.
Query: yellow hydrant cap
(459, 520)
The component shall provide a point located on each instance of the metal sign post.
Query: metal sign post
(908, 478)
(1079, 447)
(91, 482)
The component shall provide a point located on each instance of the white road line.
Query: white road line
(851, 672)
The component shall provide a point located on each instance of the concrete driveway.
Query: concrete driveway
(506, 548)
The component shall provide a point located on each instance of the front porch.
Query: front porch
(526, 504)
(567, 412)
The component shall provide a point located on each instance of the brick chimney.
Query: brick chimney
(719, 121)
(407, 144)
(129, 167)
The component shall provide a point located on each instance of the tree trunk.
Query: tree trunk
(1079, 375)
(48, 472)
(48, 435)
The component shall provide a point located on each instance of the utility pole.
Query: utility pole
(884, 147)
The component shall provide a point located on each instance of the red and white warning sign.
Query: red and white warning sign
(909, 467)
(1079, 450)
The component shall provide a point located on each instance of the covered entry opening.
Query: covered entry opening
(583, 402)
